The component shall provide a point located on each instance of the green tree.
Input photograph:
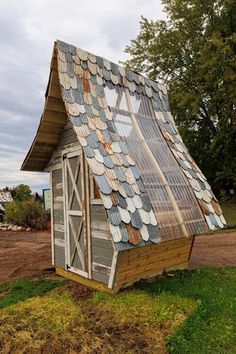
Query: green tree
(21, 192)
(193, 51)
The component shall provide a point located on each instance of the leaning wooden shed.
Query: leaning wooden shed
(127, 198)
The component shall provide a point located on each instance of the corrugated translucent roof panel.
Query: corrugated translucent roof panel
(170, 194)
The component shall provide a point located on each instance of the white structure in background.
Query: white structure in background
(5, 197)
(47, 199)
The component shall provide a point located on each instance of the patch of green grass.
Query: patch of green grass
(163, 309)
(229, 212)
(23, 289)
(4, 287)
(211, 328)
(193, 312)
(42, 324)
(196, 310)
(132, 321)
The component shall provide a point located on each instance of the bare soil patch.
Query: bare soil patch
(25, 255)
(79, 291)
(217, 250)
(122, 337)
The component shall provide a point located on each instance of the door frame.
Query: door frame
(85, 214)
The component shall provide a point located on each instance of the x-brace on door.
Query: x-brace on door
(77, 214)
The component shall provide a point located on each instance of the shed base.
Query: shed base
(140, 264)
(85, 281)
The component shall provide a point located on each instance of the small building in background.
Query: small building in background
(5, 198)
(47, 199)
(38, 198)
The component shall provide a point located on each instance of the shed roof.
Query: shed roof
(5, 197)
(150, 186)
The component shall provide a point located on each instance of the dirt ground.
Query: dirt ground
(25, 255)
(217, 250)
(28, 255)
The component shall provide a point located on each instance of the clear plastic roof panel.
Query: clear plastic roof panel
(170, 194)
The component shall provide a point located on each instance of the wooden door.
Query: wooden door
(76, 210)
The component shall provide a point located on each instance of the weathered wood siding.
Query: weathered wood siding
(67, 142)
(58, 218)
(101, 243)
(68, 135)
(139, 263)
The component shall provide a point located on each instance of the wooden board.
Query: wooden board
(59, 252)
(85, 281)
(161, 248)
(57, 218)
(136, 264)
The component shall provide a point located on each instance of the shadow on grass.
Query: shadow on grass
(23, 289)
(212, 326)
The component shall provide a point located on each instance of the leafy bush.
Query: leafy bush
(26, 213)
(21, 192)
(11, 213)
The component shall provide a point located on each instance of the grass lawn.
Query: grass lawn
(193, 312)
(229, 211)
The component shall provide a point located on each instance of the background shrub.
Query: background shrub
(11, 213)
(26, 213)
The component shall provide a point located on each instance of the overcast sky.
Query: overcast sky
(27, 32)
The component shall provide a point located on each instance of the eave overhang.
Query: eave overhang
(51, 124)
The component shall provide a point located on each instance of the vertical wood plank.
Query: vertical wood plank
(88, 219)
(52, 221)
(64, 183)
(113, 270)
(83, 184)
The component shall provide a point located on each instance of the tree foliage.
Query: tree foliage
(21, 192)
(193, 51)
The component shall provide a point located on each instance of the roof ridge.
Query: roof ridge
(148, 81)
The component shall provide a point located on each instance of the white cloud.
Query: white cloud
(6, 149)
(12, 176)
(28, 29)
